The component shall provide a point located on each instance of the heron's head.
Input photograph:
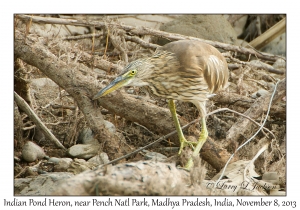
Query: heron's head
(149, 71)
(134, 74)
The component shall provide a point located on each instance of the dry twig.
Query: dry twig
(261, 127)
(254, 112)
(26, 108)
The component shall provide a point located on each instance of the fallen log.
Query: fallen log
(140, 178)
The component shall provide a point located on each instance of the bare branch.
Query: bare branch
(26, 108)
(149, 31)
(255, 111)
(141, 42)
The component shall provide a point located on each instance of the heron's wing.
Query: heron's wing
(200, 60)
(215, 72)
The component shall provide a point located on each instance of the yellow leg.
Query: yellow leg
(183, 141)
(201, 141)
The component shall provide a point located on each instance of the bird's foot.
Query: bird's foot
(199, 144)
(202, 139)
(184, 143)
(188, 166)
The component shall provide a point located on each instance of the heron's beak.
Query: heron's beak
(117, 83)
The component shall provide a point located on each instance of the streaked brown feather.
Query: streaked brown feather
(194, 57)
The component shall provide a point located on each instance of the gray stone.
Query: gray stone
(31, 152)
(55, 30)
(276, 46)
(242, 43)
(111, 127)
(99, 159)
(262, 92)
(84, 151)
(259, 93)
(38, 135)
(42, 82)
(86, 136)
(130, 91)
(210, 27)
(280, 64)
(60, 164)
(145, 20)
(54, 160)
(155, 156)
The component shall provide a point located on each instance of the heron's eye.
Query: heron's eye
(132, 72)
